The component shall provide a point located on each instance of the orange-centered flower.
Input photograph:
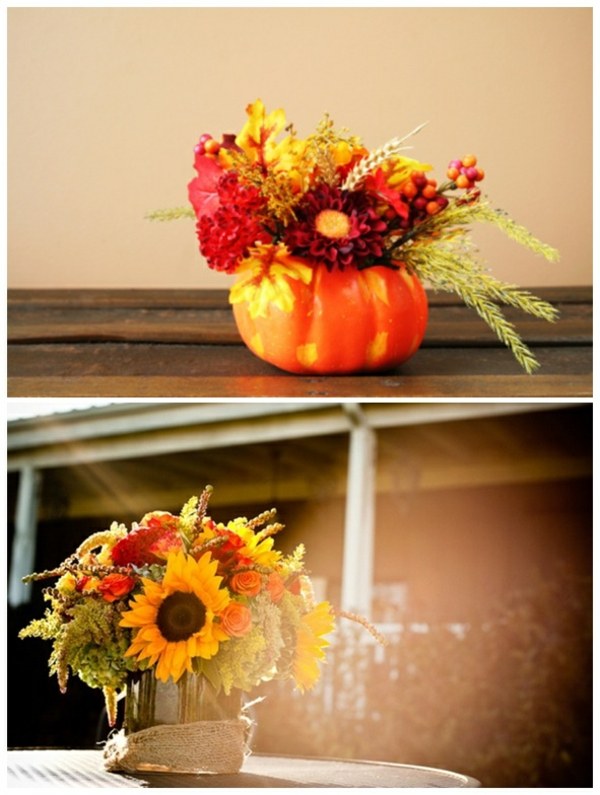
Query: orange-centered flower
(339, 228)
(333, 224)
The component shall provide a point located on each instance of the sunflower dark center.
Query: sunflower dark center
(180, 615)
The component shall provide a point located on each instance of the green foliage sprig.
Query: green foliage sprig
(441, 253)
(171, 214)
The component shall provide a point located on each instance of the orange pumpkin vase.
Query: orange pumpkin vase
(341, 321)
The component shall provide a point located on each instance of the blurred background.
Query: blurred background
(106, 104)
(463, 531)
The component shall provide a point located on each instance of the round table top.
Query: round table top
(60, 768)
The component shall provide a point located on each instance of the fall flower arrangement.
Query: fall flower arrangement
(178, 594)
(286, 214)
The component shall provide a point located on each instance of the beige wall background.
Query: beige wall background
(105, 106)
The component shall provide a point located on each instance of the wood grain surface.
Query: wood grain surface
(145, 343)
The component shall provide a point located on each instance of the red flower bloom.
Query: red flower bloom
(161, 519)
(228, 553)
(226, 235)
(145, 545)
(337, 227)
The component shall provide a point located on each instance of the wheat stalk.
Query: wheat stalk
(377, 158)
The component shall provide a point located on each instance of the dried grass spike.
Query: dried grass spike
(218, 541)
(203, 504)
(270, 530)
(262, 518)
(364, 623)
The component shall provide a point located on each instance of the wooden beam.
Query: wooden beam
(139, 430)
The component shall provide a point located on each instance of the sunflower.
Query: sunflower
(310, 644)
(175, 618)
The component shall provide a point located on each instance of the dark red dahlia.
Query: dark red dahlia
(339, 228)
(226, 235)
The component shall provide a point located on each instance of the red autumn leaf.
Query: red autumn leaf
(202, 190)
(376, 183)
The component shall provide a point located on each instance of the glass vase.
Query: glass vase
(179, 727)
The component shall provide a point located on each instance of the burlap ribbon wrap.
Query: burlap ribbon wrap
(214, 746)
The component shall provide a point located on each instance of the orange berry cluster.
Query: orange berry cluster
(207, 145)
(422, 196)
(464, 173)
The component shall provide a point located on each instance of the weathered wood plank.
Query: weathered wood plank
(218, 298)
(463, 386)
(218, 371)
(448, 325)
(181, 343)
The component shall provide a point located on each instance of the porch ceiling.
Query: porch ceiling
(490, 450)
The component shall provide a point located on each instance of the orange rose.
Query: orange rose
(114, 586)
(236, 620)
(247, 583)
(275, 586)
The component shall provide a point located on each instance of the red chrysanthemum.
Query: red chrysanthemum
(226, 235)
(339, 228)
(145, 545)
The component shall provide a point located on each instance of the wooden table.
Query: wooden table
(60, 768)
(176, 343)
